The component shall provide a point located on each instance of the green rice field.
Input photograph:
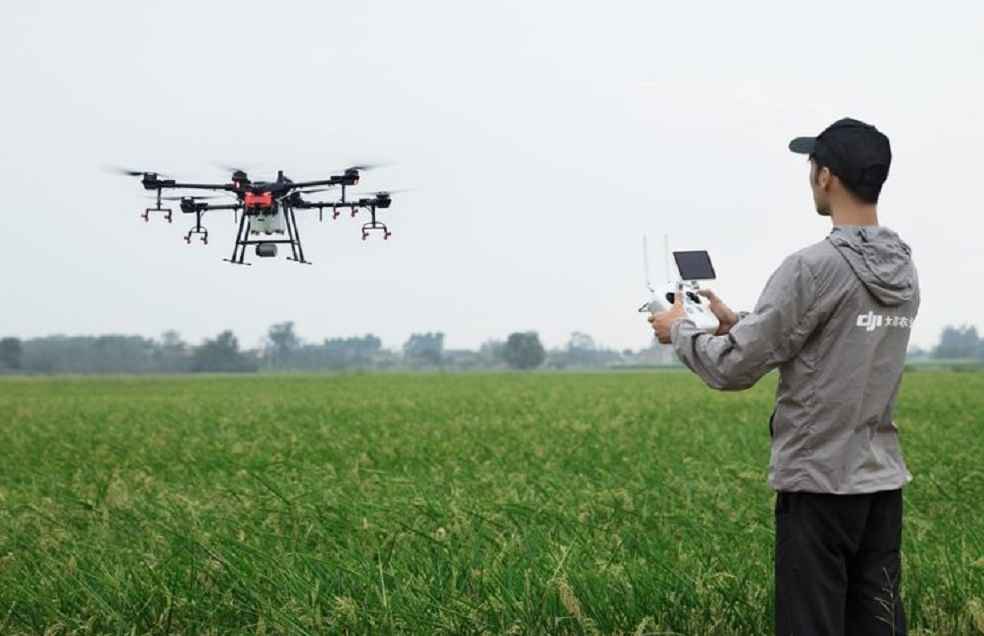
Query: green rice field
(609, 503)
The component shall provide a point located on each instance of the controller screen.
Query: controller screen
(694, 265)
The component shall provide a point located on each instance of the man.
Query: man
(835, 320)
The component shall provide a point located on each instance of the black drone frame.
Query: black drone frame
(381, 200)
(280, 196)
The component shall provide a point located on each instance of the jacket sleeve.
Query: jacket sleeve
(774, 332)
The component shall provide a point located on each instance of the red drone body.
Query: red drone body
(260, 200)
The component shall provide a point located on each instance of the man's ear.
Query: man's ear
(824, 177)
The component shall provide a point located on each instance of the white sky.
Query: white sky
(542, 139)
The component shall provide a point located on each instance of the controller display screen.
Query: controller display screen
(694, 265)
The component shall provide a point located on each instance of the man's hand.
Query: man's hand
(722, 312)
(663, 320)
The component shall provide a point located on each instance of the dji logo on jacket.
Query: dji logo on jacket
(871, 321)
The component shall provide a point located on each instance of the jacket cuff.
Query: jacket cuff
(682, 330)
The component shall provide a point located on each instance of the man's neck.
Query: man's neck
(850, 213)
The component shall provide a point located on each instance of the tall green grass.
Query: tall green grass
(610, 503)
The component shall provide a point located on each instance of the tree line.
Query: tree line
(282, 349)
(956, 343)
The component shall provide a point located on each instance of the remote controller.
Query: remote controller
(692, 267)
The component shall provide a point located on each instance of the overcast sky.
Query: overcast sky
(542, 140)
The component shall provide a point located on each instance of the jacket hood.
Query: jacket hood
(880, 259)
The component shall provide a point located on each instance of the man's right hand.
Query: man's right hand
(726, 317)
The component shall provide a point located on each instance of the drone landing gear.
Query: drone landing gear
(239, 249)
(374, 226)
(295, 237)
(197, 229)
(266, 248)
(167, 211)
(203, 232)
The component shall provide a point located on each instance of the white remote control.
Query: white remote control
(692, 267)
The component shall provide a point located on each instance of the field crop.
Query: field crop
(457, 504)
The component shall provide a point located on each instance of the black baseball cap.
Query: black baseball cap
(858, 153)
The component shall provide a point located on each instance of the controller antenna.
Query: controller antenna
(645, 264)
(666, 257)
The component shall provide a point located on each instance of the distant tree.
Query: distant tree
(281, 343)
(123, 354)
(386, 359)
(582, 351)
(462, 360)
(424, 349)
(352, 352)
(11, 353)
(523, 350)
(657, 354)
(581, 342)
(958, 342)
(339, 353)
(90, 354)
(490, 353)
(172, 355)
(917, 352)
(221, 355)
(171, 339)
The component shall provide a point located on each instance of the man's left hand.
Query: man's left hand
(663, 320)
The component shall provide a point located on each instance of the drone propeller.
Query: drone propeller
(237, 172)
(362, 167)
(380, 193)
(132, 173)
(226, 167)
(295, 195)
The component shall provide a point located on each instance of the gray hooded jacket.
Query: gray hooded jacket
(835, 320)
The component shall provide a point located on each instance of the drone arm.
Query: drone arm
(310, 205)
(191, 207)
(320, 205)
(197, 186)
(321, 182)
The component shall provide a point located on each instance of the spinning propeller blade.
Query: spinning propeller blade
(379, 193)
(131, 173)
(364, 167)
(225, 167)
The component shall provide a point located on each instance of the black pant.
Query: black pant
(838, 565)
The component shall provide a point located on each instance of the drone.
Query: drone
(265, 210)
